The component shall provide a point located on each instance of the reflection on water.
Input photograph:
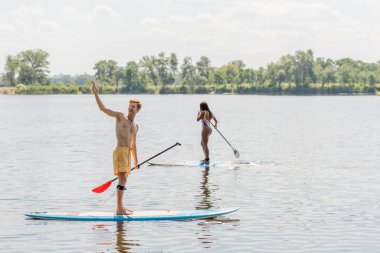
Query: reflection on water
(320, 193)
(205, 202)
(205, 235)
(102, 235)
(114, 240)
(123, 245)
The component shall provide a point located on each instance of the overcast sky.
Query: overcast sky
(78, 33)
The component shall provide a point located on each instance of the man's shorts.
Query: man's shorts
(122, 160)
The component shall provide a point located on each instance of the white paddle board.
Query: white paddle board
(136, 216)
(200, 164)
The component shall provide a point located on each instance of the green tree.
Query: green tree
(83, 79)
(34, 67)
(65, 79)
(325, 70)
(173, 65)
(276, 75)
(232, 73)
(303, 71)
(11, 68)
(240, 65)
(163, 68)
(148, 63)
(204, 70)
(27, 74)
(187, 71)
(345, 74)
(329, 75)
(132, 77)
(105, 71)
(262, 76)
(119, 74)
(249, 76)
(372, 79)
(273, 74)
(348, 71)
(220, 76)
(287, 65)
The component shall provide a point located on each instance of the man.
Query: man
(126, 130)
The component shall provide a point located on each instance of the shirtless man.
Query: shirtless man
(126, 130)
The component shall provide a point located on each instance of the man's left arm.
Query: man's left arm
(134, 148)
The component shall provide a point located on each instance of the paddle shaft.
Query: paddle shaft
(153, 157)
(221, 134)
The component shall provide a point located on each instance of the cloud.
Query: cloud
(256, 31)
(29, 20)
(253, 17)
(200, 25)
(69, 11)
(250, 28)
(49, 26)
(7, 28)
(104, 12)
(28, 11)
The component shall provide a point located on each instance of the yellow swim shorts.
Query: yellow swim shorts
(122, 160)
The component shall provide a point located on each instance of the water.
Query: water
(315, 186)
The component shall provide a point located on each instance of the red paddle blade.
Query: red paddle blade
(103, 187)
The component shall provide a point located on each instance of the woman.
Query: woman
(205, 115)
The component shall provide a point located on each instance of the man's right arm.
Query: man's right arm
(101, 106)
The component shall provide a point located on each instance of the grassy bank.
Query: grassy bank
(283, 89)
(7, 90)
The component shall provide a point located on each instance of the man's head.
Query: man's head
(134, 106)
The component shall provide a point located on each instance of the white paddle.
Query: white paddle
(236, 153)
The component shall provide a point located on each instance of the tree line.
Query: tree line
(299, 73)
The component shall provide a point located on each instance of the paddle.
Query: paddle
(236, 153)
(106, 185)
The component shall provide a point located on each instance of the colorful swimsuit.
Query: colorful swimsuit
(206, 120)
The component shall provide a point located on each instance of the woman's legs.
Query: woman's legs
(203, 147)
(206, 131)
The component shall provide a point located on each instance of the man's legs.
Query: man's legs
(120, 209)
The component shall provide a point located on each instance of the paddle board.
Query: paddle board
(136, 216)
(200, 164)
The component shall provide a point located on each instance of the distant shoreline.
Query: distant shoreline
(8, 91)
(292, 74)
(56, 91)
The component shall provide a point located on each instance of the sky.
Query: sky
(78, 33)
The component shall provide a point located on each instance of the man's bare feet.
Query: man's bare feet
(124, 211)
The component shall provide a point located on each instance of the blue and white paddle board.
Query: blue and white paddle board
(200, 164)
(136, 216)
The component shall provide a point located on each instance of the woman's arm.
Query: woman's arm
(201, 115)
(215, 120)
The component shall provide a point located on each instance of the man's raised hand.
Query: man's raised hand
(95, 87)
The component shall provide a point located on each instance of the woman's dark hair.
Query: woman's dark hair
(204, 107)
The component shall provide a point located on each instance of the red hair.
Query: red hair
(136, 101)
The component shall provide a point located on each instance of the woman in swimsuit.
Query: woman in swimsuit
(205, 116)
